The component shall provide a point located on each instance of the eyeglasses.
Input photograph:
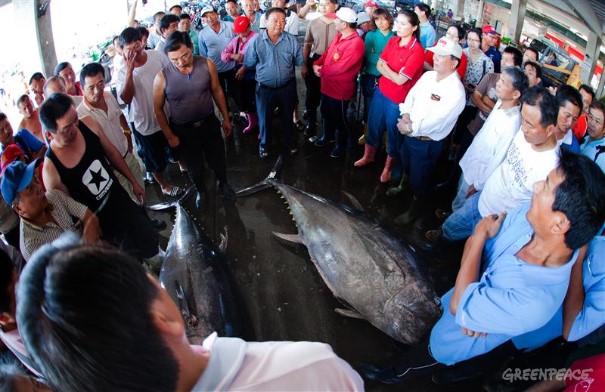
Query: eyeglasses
(597, 121)
(184, 57)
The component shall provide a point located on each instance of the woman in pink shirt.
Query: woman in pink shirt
(244, 86)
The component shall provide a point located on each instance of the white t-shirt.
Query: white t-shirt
(489, 147)
(512, 182)
(141, 107)
(236, 365)
(110, 121)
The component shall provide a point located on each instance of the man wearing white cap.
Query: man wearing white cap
(212, 40)
(337, 69)
(429, 114)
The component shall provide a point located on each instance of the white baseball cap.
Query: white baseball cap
(207, 9)
(363, 17)
(346, 15)
(446, 46)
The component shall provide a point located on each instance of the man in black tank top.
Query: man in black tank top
(79, 162)
(190, 85)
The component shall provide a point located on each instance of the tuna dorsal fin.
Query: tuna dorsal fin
(289, 238)
(349, 313)
(356, 204)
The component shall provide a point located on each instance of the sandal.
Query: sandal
(175, 192)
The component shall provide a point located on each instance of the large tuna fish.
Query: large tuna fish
(363, 264)
(195, 274)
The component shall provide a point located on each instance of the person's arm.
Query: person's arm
(351, 57)
(298, 58)
(478, 100)
(91, 232)
(574, 299)
(37, 149)
(318, 64)
(127, 92)
(219, 97)
(202, 44)
(470, 265)
(304, 10)
(414, 63)
(51, 178)
(132, 13)
(228, 54)
(114, 157)
(159, 98)
(126, 130)
(304, 71)
(387, 72)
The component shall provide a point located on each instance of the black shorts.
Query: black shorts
(154, 150)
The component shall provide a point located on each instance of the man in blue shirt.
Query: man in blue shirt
(428, 35)
(570, 106)
(488, 46)
(514, 271)
(212, 40)
(594, 145)
(584, 306)
(275, 53)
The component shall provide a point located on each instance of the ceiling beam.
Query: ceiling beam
(584, 11)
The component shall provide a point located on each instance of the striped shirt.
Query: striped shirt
(67, 214)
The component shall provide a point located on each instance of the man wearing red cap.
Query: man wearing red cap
(370, 7)
(489, 46)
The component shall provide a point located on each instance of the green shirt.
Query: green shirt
(375, 42)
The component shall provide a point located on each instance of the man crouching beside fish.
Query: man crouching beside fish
(118, 330)
(513, 277)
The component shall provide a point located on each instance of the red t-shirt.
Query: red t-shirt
(406, 60)
(428, 58)
(586, 374)
(340, 64)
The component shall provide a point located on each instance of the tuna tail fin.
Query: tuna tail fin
(264, 184)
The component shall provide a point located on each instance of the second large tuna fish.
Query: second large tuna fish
(195, 275)
(363, 264)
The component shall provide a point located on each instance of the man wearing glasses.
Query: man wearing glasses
(190, 85)
(594, 146)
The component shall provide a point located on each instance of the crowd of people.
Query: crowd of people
(526, 175)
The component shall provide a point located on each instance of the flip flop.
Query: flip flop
(175, 192)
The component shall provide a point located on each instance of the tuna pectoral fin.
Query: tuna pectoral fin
(354, 202)
(349, 313)
(289, 238)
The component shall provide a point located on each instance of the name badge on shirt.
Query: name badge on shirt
(336, 57)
